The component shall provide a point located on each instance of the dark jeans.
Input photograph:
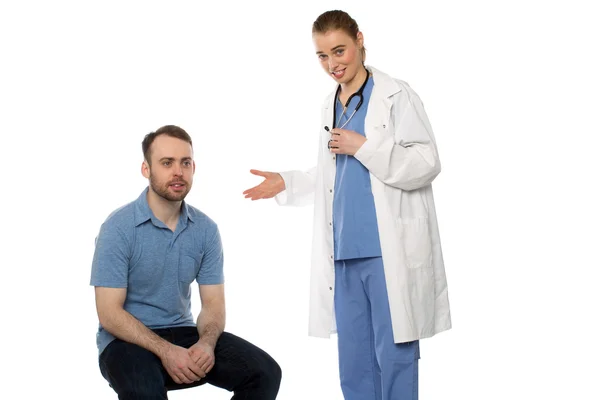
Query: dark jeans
(240, 367)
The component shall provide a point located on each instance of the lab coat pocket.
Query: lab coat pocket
(379, 131)
(189, 265)
(416, 241)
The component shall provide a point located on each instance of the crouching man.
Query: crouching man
(147, 255)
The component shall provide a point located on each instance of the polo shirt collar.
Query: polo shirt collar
(143, 212)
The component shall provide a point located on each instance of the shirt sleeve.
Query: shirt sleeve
(211, 267)
(408, 158)
(110, 265)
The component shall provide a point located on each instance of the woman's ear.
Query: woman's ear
(360, 41)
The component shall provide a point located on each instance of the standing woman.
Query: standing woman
(377, 274)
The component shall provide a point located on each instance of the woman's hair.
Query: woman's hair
(337, 20)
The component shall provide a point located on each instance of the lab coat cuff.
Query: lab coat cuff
(283, 198)
(366, 151)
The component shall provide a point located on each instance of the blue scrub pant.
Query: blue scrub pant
(371, 365)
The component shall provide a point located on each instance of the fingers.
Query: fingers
(189, 373)
(334, 145)
(197, 371)
(175, 378)
(337, 148)
(259, 173)
(180, 378)
(251, 189)
(255, 193)
(211, 365)
(201, 359)
(187, 376)
(198, 358)
(195, 355)
(207, 364)
(258, 194)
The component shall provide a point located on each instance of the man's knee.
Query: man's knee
(268, 375)
(132, 372)
(273, 371)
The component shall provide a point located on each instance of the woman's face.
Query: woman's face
(340, 55)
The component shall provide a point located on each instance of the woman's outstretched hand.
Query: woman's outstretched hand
(270, 187)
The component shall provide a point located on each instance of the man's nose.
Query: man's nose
(178, 170)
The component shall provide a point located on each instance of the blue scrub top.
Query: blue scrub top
(355, 229)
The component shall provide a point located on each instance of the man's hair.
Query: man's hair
(169, 130)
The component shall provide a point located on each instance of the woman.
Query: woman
(377, 260)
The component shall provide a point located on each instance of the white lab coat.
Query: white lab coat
(401, 156)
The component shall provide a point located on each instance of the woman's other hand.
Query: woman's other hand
(344, 141)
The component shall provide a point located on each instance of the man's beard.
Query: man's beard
(163, 191)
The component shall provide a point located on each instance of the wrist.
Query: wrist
(208, 341)
(363, 140)
(162, 349)
(281, 183)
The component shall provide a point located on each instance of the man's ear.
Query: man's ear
(146, 169)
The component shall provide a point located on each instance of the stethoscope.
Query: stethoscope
(358, 93)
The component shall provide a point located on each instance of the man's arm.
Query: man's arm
(123, 325)
(110, 269)
(211, 320)
(210, 323)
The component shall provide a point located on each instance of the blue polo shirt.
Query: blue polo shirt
(135, 250)
(355, 230)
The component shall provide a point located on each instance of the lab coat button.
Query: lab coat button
(330, 288)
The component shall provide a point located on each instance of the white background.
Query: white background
(511, 89)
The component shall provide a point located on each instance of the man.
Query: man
(147, 254)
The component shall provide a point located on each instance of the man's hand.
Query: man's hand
(203, 355)
(344, 141)
(180, 366)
